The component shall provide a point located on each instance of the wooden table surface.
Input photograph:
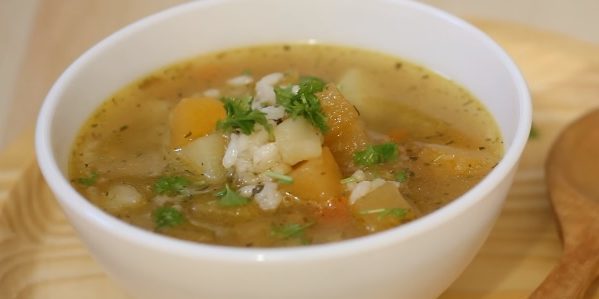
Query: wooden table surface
(40, 256)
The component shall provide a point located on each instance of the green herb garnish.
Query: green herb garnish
(241, 116)
(88, 181)
(534, 133)
(376, 154)
(230, 198)
(167, 217)
(402, 175)
(171, 185)
(290, 230)
(285, 179)
(398, 213)
(304, 103)
(348, 180)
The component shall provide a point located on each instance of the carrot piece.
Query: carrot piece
(336, 210)
(317, 180)
(193, 118)
(398, 135)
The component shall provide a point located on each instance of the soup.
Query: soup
(283, 145)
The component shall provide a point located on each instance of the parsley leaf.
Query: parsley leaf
(230, 198)
(290, 230)
(167, 217)
(376, 154)
(349, 180)
(285, 179)
(304, 103)
(171, 185)
(398, 213)
(402, 175)
(240, 115)
(88, 181)
(311, 85)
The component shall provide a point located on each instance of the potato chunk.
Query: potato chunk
(206, 155)
(380, 209)
(459, 161)
(122, 196)
(297, 140)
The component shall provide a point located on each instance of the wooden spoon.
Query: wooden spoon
(573, 183)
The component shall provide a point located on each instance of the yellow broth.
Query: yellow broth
(447, 143)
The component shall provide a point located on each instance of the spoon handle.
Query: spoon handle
(570, 279)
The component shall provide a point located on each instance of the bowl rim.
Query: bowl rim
(72, 200)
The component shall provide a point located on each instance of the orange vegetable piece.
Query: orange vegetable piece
(336, 210)
(347, 133)
(317, 180)
(193, 118)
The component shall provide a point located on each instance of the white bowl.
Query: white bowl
(417, 260)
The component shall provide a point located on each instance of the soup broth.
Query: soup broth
(283, 145)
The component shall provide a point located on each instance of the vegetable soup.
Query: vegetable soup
(283, 145)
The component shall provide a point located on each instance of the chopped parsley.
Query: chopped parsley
(291, 230)
(304, 103)
(229, 198)
(376, 154)
(398, 213)
(88, 181)
(241, 116)
(171, 185)
(349, 180)
(167, 217)
(534, 133)
(402, 175)
(285, 179)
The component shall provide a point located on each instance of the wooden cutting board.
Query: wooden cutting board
(40, 256)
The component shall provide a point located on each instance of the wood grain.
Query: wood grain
(571, 180)
(40, 257)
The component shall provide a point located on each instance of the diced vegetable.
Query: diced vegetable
(194, 117)
(384, 207)
(361, 90)
(347, 133)
(297, 140)
(358, 87)
(123, 196)
(448, 159)
(206, 155)
(317, 180)
(337, 210)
